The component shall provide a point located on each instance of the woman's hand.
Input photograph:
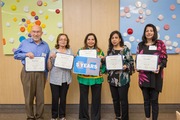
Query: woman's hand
(102, 57)
(124, 67)
(157, 71)
(52, 56)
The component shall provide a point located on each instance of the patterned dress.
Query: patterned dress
(121, 77)
(148, 78)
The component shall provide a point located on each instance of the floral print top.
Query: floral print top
(119, 78)
(148, 78)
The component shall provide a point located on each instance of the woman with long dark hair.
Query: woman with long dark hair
(151, 82)
(119, 80)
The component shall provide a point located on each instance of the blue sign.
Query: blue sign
(86, 66)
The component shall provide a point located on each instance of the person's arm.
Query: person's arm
(51, 58)
(19, 54)
(129, 62)
(163, 56)
(103, 66)
(49, 64)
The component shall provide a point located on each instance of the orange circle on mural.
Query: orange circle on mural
(33, 13)
(22, 29)
(4, 41)
(38, 22)
(28, 21)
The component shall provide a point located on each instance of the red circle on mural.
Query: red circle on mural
(57, 11)
(130, 31)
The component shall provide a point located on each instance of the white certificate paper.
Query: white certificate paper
(147, 62)
(88, 53)
(35, 64)
(64, 61)
(114, 62)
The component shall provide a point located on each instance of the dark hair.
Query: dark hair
(144, 40)
(110, 37)
(57, 41)
(86, 38)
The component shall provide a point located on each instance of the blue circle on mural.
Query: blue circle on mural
(2, 3)
(21, 38)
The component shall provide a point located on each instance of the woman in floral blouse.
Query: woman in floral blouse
(151, 82)
(119, 79)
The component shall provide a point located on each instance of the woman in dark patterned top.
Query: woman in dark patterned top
(151, 82)
(119, 79)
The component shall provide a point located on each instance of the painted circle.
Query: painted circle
(21, 38)
(33, 13)
(126, 9)
(172, 7)
(166, 27)
(39, 3)
(130, 31)
(57, 11)
(22, 29)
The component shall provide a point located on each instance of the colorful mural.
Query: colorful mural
(164, 14)
(18, 16)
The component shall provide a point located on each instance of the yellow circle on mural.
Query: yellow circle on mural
(46, 17)
(15, 19)
(29, 27)
(43, 25)
(13, 7)
(45, 4)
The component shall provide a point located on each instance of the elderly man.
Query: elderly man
(33, 81)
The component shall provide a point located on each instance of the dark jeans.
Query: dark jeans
(151, 99)
(59, 93)
(120, 101)
(95, 105)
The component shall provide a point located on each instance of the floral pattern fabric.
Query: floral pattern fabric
(121, 77)
(149, 78)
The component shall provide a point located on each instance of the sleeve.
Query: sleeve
(103, 67)
(129, 61)
(163, 56)
(19, 54)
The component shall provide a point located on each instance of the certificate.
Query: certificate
(35, 64)
(64, 61)
(88, 53)
(114, 62)
(147, 62)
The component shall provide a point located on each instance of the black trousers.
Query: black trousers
(59, 94)
(120, 101)
(151, 99)
(95, 105)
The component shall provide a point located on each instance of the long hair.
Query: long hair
(57, 41)
(86, 38)
(144, 39)
(110, 37)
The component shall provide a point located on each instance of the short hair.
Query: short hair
(57, 41)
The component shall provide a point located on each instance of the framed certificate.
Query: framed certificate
(88, 53)
(114, 62)
(35, 64)
(64, 61)
(147, 62)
